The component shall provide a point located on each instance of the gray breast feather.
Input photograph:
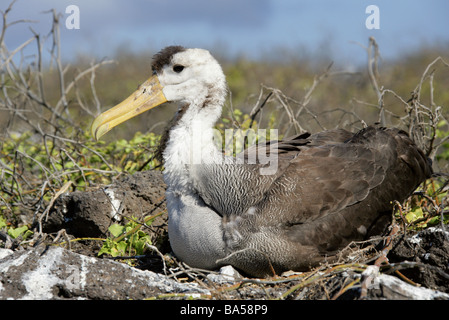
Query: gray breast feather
(230, 188)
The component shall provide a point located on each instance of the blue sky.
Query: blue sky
(254, 28)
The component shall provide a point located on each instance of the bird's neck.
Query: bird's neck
(191, 142)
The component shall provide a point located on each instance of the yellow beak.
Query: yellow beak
(146, 97)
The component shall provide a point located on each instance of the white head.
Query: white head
(189, 76)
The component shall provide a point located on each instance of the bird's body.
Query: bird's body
(328, 188)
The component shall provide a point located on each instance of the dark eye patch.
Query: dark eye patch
(178, 68)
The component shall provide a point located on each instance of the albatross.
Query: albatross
(328, 189)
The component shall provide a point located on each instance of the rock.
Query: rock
(56, 273)
(89, 214)
(392, 288)
(226, 274)
(428, 250)
(5, 252)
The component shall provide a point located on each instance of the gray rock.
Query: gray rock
(89, 214)
(429, 250)
(56, 273)
(5, 252)
(394, 288)
(226, 274)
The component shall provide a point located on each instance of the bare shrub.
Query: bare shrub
(425, 121)
(41, 107)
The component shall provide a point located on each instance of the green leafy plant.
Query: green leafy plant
(125, 240)
(426, 208)
(15, 232)
(33, 171)
(20, 231)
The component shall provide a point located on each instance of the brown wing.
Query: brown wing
(331, 188)
(343, 191)
(233, 189)
(318, 175)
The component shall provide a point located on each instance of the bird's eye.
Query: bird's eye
(178, 68)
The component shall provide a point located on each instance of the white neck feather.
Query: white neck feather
(191, 142)
(202, 87)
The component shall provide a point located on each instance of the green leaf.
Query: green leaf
(27, 234)
(15, 232)
(116, 229)
(414, 215)
(106, 248)
(121, 247)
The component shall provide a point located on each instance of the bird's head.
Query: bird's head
(189, 76)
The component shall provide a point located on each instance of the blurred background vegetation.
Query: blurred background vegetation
(47, 106)
(341, 89)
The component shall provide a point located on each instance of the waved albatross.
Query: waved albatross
(330, 188)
